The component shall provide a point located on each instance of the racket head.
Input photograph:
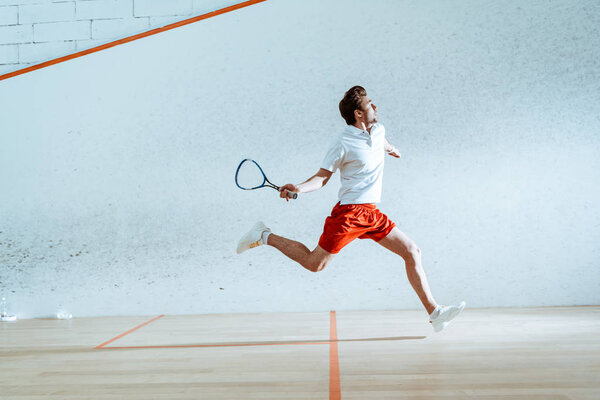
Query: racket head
(249, 175)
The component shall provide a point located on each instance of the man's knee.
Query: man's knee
(316, 264)
(317, 260)
(413, 252)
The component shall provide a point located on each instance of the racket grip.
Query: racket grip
(291, 195)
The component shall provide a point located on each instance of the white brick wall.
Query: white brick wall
(155, 8)
(22, 2)
(37, 52)
(106, 29)
(9, 54)
(61, 31)
(52, 12)
(13, 34)
(157, 22)
(9, 15)
(33, 31)
(101, 9)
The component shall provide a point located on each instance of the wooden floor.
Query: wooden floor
(532, 353)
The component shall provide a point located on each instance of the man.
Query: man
(358, 152)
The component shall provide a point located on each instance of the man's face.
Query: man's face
(368, 111)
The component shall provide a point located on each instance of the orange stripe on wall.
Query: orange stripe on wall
(130, 38)
(334, 364)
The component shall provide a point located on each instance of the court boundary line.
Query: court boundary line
(191, 346)
(334, 363)
(103, 345)
(283, 343)
(100, 346)
(130, 39)
(332, 342)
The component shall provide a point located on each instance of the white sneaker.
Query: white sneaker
(253, 238)
(444, 315)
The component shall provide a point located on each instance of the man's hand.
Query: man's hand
(391, 149)
(285, 189)
(394, 152)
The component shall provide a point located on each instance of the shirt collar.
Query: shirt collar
(355, 131)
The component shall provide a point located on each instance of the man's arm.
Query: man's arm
(317, 181)
(391, 150)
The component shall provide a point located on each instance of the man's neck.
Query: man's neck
(361, 125)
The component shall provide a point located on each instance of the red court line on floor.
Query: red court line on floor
(187, 346)
(128, 332)
(288, 343)
(131, 38)
(334, 364)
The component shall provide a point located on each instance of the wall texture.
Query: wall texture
(33, 31)
(116, 169)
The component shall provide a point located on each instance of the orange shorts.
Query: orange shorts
(350, 221)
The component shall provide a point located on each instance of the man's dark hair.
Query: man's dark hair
(351, 102)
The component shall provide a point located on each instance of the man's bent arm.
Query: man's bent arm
(317, 181)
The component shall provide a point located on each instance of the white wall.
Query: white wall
(116, 169)
(33, 31)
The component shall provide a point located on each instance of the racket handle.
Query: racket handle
(291, 195)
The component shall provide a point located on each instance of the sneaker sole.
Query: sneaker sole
(438, 328)
(241, 247)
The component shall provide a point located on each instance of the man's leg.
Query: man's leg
(402, 245)
(313, 261)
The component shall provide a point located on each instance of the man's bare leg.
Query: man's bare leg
(313, 261)
(399, 243)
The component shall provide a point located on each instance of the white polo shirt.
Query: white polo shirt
(359, 157)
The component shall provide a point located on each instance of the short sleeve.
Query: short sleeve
(334, 157)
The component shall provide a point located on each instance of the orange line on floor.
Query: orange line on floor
(128, 332)
(279, 343)
(334, 364)
(185, 346)
(131, 38)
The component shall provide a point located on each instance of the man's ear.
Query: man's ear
(357, 114)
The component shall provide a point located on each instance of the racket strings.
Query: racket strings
(249, 175)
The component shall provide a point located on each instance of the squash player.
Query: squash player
(358, 152)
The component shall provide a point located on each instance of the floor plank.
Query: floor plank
(510, 353)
